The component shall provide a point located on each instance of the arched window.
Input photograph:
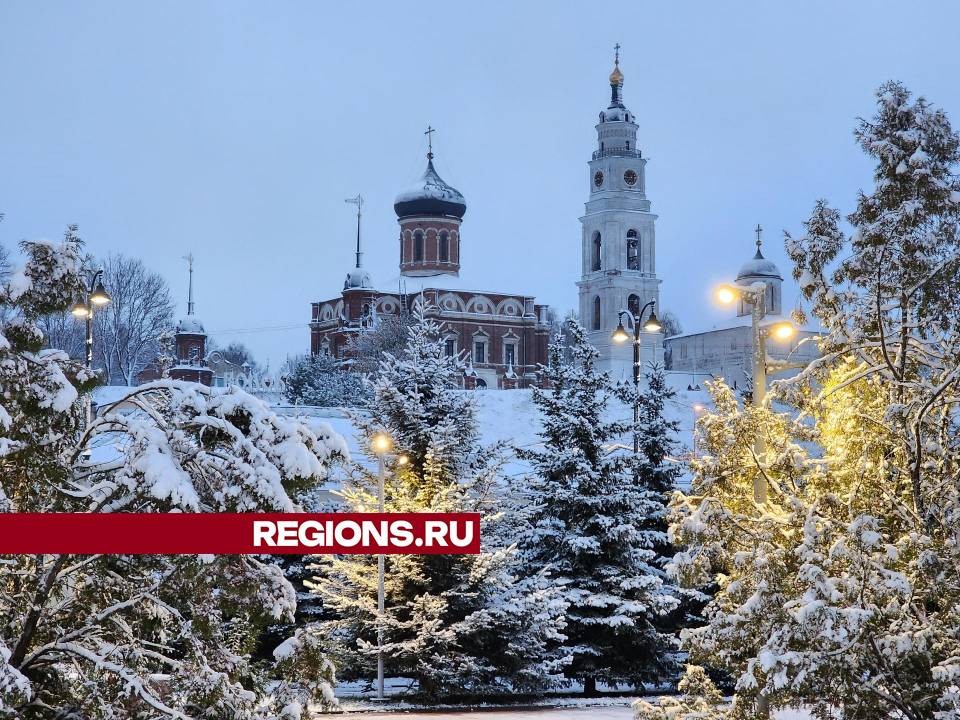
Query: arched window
(633, 305)
(444, 251)
(633, 257)
(596, 313)
(595, 260)
(418, 246)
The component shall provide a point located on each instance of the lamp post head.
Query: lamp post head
(381, 443)
(783, 330)
(620, 334)
(653, 324)
(727, 294)
(100, 296)
(79, 310)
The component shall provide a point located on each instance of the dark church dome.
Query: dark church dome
(430, 197)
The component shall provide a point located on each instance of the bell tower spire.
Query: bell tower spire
(358, 277)
(618, 236)
(616, 80)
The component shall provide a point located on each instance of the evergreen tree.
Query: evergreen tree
(322, 381)
(597, 518)
(455, 623)
(113, 636)
(842, 592)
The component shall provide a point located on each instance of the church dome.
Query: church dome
(430, 196)
(616, 77)
(358, 278)
(190, 325)
(759, 266)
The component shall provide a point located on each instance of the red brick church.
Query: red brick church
(501, 337)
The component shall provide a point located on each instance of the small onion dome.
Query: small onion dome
(356, 279)
(616, 77)
(759, 266)
(431, 197)
(190, 325)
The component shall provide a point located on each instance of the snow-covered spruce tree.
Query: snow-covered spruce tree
(843, 593)
(457, 624)
(321, 380)
(116, 637)
(596, 518)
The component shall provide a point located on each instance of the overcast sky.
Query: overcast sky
(235, 130)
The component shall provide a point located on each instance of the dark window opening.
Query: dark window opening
(633, 305)
(596, 313)
(450, 347)
(595, 264)
(418, 246)
(479, 352)
(509, 354)
(633, 255)
(444, 251)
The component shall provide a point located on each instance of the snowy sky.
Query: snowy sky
(236, 129)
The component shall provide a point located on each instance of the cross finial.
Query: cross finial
(429, 133)
(616, 56)
(759, 231)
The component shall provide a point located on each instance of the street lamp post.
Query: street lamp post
(96, 296)
(697, 409)
(756, 294)
(621, 335)
(381, 444)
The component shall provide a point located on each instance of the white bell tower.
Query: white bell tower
(619, 243)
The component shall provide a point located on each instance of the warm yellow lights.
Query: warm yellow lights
(620, 334)
(783, 330)
(100, 296)
(381, 443)
(726, 294)
(79, 310)
(403, 460)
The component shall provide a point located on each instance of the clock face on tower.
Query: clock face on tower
(630, 178)
(598, 178)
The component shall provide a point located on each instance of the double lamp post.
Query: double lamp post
(96, 296)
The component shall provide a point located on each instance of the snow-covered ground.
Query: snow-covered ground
(578, 709)
(510, 416)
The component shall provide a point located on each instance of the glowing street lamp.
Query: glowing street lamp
(756, 295)
(381, 444)
(620, 335)
(96, 296)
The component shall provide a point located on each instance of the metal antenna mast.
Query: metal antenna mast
(358, 201)
(189, 258)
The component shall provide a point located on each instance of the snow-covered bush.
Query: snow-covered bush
(596, 518)
(699, 699)
(454, 623)
(843, 591)
(116, 636)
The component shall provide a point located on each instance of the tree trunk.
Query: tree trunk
(590, 686)
(19, 651)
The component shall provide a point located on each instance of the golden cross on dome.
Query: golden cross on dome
(616, 58)
(758, 230)
(429, 133)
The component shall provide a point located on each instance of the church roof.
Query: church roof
(357, 279)
(759, 266)
(430, 196)
(190, 325)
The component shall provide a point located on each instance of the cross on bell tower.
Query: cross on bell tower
(429, 133)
